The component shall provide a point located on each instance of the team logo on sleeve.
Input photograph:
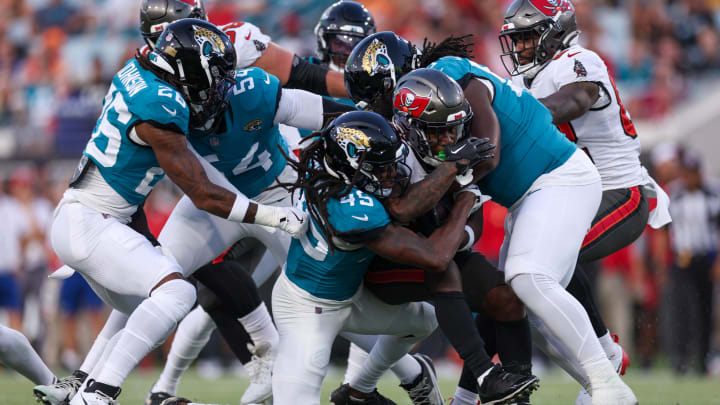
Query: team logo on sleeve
(209, 41)
(409, 102)
(579, 69)
(259, 45)
(375, 57)
(254, 125)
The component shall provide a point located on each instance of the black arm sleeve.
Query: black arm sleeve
(306, 76)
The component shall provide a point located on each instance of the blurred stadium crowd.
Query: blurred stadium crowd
(58, 56)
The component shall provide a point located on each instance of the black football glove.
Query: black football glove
(473, 150)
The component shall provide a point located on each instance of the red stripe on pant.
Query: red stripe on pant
(614, 217)
(396, 276)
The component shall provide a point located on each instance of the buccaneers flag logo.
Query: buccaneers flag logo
(409, 102)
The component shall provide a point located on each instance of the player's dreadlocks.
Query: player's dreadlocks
(316, 184)
(450, 46)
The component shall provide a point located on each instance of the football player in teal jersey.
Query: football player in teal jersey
(140, 136)
(550, 188)
(345, 176)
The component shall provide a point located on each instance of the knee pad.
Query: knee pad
(429, 320)
(175, 297)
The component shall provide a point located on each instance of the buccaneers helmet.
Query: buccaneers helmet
(549, 25)
(155, 15)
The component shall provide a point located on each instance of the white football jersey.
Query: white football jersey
(250, 43)
(605, 132)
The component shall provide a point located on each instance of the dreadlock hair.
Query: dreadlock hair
(317, 184)
(450, 46)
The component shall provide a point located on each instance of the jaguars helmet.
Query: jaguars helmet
(155, 15)
(373, 68)
(341, 27)
(198, 59)
(550, 24)
(361, 146)
(425, 101)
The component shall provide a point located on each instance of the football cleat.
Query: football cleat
(156, 398)
(180, 401)
(621, 364)
(342, 396)
(93, 396)
(425, 389)
(259, 369)
(614, 392)
(503, 387)
(62, 391)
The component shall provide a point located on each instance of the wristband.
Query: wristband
(239, 208)
(471, 239)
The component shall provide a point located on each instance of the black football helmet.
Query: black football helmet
(373, 68)
(428, 100)
(155, 15)
(363, 144)
(198, 59)
(550, 25)
(341, 27)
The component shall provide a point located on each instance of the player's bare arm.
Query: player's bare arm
(185, 170)
(423, 195)
(571, 101)
(402, 245)
(281, 62)
(485, 124)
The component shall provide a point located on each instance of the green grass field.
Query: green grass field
(660, 388)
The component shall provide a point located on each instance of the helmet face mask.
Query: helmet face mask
(198, 59)
(156, 15)
(362, 147)
(430, 112)
(533, 32)
(341, 27)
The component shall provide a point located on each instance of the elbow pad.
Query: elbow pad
(306, 76)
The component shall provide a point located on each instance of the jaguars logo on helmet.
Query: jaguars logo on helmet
(208, 40)
(375, 56)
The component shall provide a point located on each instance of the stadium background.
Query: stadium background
(58, 56)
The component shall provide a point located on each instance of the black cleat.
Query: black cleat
(503, 387)
(425, 389)
(156, 398)
(341, 396)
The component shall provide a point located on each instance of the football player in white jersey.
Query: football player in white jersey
(141, 134)
(542, 53)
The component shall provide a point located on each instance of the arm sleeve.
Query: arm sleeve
(300, 109)
(307, 76)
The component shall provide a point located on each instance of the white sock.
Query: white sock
(609, 346)
(260, 327)
(355, 361)
(464, 397)
(191, 336)
(406, 369)
(147, 327)
(564, 317)
(386, 352)
(17, 353)
(553, 348)
(115, 322)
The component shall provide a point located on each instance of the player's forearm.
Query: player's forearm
(423, 195)
(571, 101)
(448, 238)
(335, 82)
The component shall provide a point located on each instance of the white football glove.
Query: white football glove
(479, 197)
(293, 221)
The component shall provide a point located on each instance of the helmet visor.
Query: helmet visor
(339, 48)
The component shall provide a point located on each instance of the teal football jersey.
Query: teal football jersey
(248, 150)
(337, 276)
(530, 145)
(136, 95)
